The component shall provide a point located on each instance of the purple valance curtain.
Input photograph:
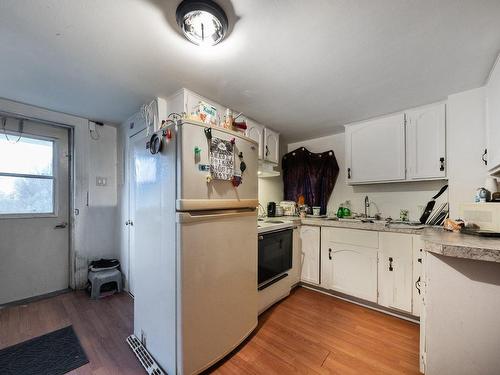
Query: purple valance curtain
(311, 175)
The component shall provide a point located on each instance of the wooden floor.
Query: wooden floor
(307, 333)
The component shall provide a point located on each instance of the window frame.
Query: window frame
(53, 177)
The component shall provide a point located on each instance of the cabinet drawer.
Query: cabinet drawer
(356, 237)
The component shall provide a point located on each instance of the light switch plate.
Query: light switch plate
(101, 181)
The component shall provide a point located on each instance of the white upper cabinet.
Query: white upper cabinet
(406, 146)
(375, 150)
(426, 143)
(493, 118)
(255, 131)
(271, 146)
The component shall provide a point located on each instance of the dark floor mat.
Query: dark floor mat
(55, 353)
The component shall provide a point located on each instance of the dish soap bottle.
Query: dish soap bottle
(340, 212)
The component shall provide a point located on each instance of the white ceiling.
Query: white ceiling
(301, 67)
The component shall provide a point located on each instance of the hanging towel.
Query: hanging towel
(311, 175)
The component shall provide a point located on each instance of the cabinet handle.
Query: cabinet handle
(417, 285)
(441, 161)
(330, 254)
(391, 268)
(267, 151)
(348, 172)
(484, 158)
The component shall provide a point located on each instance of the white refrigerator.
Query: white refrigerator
(196, 248)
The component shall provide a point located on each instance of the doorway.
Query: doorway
(136, 142)
(34, 209)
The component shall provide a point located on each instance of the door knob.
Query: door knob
(61, 225)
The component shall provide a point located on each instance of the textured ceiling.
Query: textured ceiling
(302, 67)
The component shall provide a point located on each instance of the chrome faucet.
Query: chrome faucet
(367, 205)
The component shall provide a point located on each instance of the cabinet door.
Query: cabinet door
(327, 249)
(310, 237)
(395, 271)
(296, 260)
(425, 142)
(271, 146)
(256, 132)
(375, 150)
(354, 271)
(493, 118)
(418, 256)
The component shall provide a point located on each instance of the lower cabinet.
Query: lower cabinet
(348, 263)
(395, 272)
(418, 259)
(380, 267)
(310, 263)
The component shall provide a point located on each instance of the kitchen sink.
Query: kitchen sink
(275, 221)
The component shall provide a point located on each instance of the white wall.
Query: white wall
(93, 230)
(466, 172)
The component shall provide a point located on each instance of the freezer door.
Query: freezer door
(217, 300)
(194, 192)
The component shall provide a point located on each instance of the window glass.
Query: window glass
(21, 195)
(26, 176)
(28, 156)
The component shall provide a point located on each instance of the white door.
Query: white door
(395, 271)
(271, 146)
(425, 142)
(256, 132)
(310, 238)
(34, 205)
(375, 150)
(355, 271)
(137, 143)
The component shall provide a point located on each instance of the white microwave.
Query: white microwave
(485, 215)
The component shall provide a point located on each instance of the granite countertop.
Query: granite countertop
(459, 245)
(378, 226)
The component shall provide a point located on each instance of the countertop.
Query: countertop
(436, 239)
(459, 245)
(376, 226)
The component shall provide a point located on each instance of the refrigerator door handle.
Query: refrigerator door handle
(193, 217)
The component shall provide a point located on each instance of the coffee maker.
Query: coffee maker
(271, 209)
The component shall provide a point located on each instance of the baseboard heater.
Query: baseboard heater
(143, 356)
(268, 284)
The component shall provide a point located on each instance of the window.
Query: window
(27, 183)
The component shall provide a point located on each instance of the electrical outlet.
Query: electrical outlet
(101, 181)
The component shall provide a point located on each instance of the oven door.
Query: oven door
(275, 254)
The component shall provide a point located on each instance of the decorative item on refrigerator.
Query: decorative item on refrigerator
(221, 159)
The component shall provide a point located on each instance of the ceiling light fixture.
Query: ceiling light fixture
(203, 22)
